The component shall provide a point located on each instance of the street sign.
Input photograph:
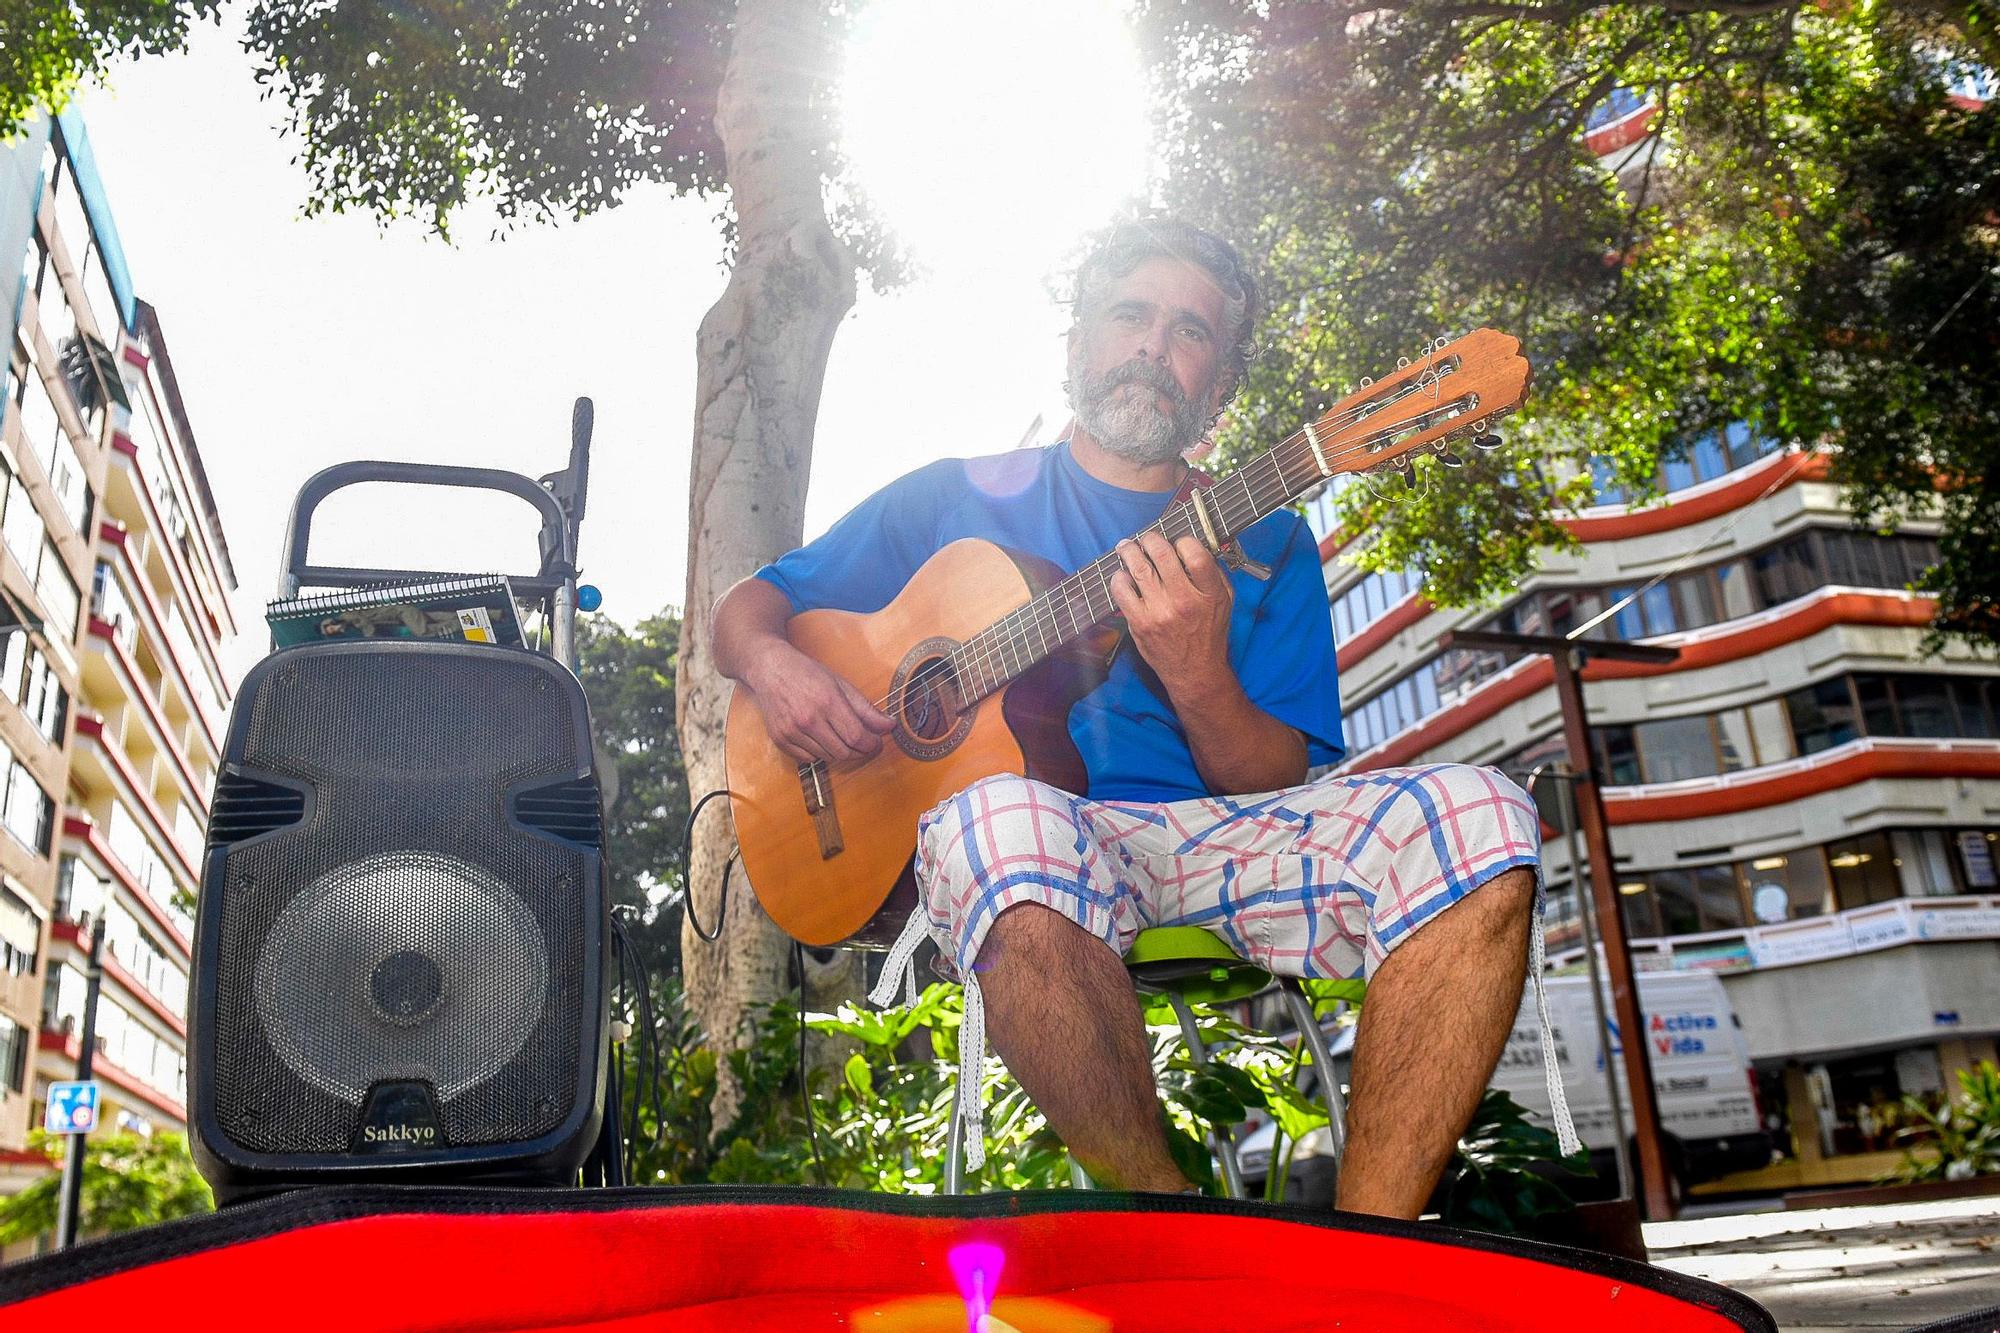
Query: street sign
(72, 1108)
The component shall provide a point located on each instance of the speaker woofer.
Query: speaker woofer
(406, 965)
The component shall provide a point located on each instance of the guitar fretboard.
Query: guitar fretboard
(1028, 636)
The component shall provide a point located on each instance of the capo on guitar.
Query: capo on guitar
(1230, 552)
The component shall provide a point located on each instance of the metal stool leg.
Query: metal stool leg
(954, 1142)
(1299, 1005)
(1225, 1151)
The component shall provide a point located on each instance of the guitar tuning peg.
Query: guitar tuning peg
(1402, 362)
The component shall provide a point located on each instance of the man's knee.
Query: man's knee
(1037, 936)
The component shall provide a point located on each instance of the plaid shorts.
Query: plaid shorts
(1315, 881)
(1323, 880)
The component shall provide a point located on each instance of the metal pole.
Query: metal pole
(71, 1204)
(1657, 1201)
(1586, 914)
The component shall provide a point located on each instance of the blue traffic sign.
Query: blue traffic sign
(72, 1108)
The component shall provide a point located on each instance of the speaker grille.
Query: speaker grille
(405, 931)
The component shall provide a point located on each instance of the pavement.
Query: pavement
(1887, 1266)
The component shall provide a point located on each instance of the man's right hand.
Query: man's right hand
(813, 714)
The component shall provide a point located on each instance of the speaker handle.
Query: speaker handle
(558, 570)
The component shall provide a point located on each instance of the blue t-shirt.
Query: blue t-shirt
(1042, 502)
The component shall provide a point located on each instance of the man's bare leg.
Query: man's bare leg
(1061, 1012)
(1434, 1022)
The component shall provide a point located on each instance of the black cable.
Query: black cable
(805, 1091)
(687, 879)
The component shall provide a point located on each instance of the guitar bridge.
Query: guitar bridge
(817, 785)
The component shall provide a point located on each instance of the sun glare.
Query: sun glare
(993, 135)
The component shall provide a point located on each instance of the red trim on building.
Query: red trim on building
(1723, 499)
(175, 560)
(1799, 783)
(73, 932)
(1623, 132)
(131, 1084)
(22, 1157)
(86, 833)
(1385, 627)
(89, 724)
(114, 533)
(103, 630)
(1842, 608)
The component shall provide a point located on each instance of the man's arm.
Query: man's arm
(810, 712)
(1177, 601)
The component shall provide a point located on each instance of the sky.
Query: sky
(299, 343)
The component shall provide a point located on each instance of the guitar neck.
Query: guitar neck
(1066, 612)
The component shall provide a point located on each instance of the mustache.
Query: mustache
(1146, 374)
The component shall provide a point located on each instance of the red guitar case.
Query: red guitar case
(725, 1260)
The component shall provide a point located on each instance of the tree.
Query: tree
(129, 1181)
(1811, 250)
(551, 109)
(629, 679)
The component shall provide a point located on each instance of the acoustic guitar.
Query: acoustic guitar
(981, 655)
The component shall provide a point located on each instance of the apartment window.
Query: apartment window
(1361, 605)
(21, 527)
(57, 591)
(20, 934)
(1823, 715)
(26, 810)
(13, 1054)
(1707, 456)
(66, 479)
(80, 890)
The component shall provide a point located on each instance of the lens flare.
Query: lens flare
(975, 1266)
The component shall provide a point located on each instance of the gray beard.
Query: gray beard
(1134, 428)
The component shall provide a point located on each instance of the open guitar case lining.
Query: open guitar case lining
(688, 1259)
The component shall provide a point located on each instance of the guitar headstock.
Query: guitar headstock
(1449, 391)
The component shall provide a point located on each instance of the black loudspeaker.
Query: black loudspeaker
(402, 942)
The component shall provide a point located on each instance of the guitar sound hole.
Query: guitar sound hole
(930, 700)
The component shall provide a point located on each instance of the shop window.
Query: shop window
(1863, 870)
(1977, 853)
(1719, 896)
(1642, 917)
(1679, 912)
(1801, 874)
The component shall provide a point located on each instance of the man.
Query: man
(1034, 893)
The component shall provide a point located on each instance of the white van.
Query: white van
(1702, 1078)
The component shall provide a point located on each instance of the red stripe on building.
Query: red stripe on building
(1845, 608)
(1795, 784)
(73, 932)
(128, 1083)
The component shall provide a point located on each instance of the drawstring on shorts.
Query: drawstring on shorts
(899, 975)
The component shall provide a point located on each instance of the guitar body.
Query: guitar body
(842, 873)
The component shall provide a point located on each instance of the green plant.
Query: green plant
(129, 1181)
(1502, 1178)
(1953, 1138)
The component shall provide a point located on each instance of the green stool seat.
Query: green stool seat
(1196, 964)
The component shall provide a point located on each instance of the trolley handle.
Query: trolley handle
(557, 543)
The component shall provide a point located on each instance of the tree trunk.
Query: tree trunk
(761, 354)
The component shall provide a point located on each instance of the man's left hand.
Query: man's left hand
(1176, 599)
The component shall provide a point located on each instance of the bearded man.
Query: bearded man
(1197, 749)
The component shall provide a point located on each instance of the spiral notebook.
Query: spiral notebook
(477, 609)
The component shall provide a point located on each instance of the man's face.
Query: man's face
(1146, 359)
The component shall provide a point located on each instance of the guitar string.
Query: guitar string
(1009, 637)
(1095, 578)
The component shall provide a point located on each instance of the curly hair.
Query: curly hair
(1126, 245)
